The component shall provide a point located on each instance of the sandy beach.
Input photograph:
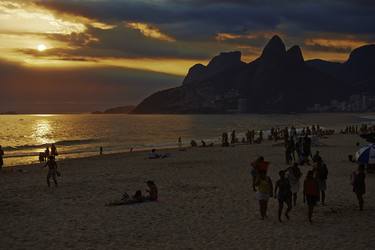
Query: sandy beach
(206, 202)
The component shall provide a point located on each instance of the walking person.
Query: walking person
(321, 173)
(264, 189)
(52, 170)
(283, 194)
(310, 193)
(359, 185)
(294, 176)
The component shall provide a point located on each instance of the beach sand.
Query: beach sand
(206, 202)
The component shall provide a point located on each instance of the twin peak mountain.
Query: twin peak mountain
(279, 81)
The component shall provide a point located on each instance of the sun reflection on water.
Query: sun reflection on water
(42, 131)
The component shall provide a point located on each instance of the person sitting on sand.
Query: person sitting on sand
(264, 189)
(310, 193)
(154, 155)
(152, 191)
(284, 194)
(359, 185)
(1, 158)
(52, 170)
(294, 176)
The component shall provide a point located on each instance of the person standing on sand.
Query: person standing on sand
(264, 189)
(310, 193)
(294, 176)
(179, 143)
(321, 172)
(359, 185)
(53, 151)
(52, 170)
(1, 158)
(284, 195)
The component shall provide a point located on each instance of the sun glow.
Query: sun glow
(41, 47)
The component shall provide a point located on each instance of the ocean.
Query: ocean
(24, 136)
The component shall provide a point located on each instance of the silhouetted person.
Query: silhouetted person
(359, 185)
(233, 137)
(294, 176)
(152, 191)
(321, 171)
(310, 193)
(53, 150)
(264, 189)
(101, 150)
(46, 153)
(224, 140)
(193, 143)
(283, 194)
(1, 158)
(52, 170)
(203, 143)
(179, 143)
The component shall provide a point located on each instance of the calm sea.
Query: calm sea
(24, 136)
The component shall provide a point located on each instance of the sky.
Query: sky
(87, 55)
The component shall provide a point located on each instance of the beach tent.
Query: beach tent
(366, 155)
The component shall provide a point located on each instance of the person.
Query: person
(306, 148)
(153, 154)
(54, 151)
(179, 143)
(193, 143)
(52, 170)
(233, 138)
(359, 185)
(310, 193)
(1, 158)
(224, 140)
(41, 157)
(284, 194)
(152, 191)
(316, 156)
(258, 165)
(288, 152)
(294, 176)
(46, 153)
(264, 189)
(100, 150)
(203, 144)
(321, 171)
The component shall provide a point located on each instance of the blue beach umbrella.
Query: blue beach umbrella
(366, 155)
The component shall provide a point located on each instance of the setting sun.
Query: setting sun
(41, 47)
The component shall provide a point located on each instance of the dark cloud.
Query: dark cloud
(27, 89)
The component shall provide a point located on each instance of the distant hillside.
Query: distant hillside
(117, 110)
(279, 81)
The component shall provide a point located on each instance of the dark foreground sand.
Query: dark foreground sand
(205, 203)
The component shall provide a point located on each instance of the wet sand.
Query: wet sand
(206, 202)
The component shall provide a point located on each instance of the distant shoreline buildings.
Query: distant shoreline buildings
(355, 103)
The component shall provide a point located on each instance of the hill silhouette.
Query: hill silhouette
(279, 81)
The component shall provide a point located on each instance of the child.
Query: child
(264, 189)
(284, 194)
(310, 193)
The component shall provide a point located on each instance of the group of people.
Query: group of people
(288, 185)
(358, 129)
(44, 156)
(138, 197)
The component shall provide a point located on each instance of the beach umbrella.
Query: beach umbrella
(366, 155)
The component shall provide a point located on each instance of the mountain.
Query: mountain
(117, 110)
(279, 81)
